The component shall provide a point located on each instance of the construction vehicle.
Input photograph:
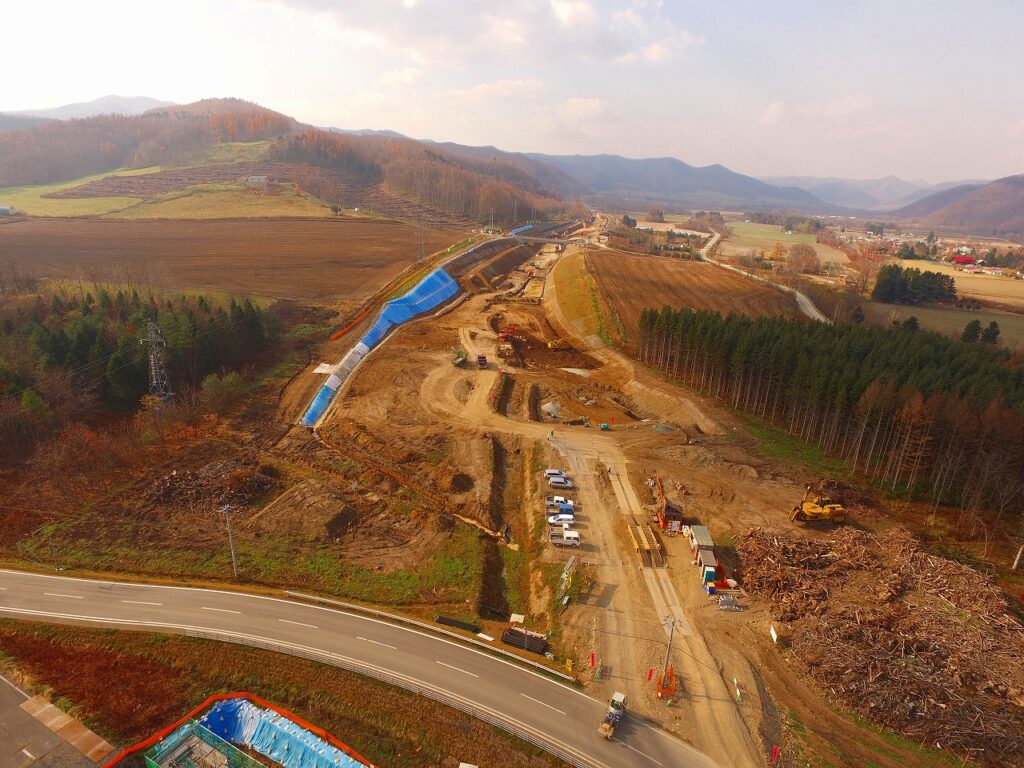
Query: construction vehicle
(818, 509)
(459, 357)
(616, 710)
(481, 361)
(505, 351)
(506, 333)
(558, 345)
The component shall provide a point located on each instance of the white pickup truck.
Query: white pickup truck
(561, 537)
(559, 502)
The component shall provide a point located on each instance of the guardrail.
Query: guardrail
(437, 630)
(401, 682)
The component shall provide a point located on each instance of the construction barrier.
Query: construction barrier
(432, 291)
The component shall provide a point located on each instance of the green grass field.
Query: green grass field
(950, 320)
(222, 201)
(750, 236)
(577, 297)
(237, 152)
(30, 199)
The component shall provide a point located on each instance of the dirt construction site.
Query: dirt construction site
(465, 445)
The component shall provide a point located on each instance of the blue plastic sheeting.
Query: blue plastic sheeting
(274, 736)
(318, 406)
(435, 289)
(432, 291)
(521, 229)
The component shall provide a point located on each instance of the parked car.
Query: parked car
(549, 473)
(562, 483)
(562, 518)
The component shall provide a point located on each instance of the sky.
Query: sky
(921, 89)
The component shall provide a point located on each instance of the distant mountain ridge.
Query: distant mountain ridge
(995, 208)
(882, 194)
(105, 105)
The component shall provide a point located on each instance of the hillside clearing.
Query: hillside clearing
(224, 201)
(31, 200)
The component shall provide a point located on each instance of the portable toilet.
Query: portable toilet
(708, 565)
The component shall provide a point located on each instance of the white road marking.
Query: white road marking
(299, 624)
(542, 703)
(3, 589)
(58, 594)
(15, 687)
(457, 669)
(140, 602)
(221, 610)
(640, 753)
(28, 754)
(368, 640)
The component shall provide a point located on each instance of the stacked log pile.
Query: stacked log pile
(920, 644)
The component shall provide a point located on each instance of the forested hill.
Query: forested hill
(912, 410)
(65, 150)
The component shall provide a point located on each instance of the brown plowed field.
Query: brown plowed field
(631, 283)
(316, 260)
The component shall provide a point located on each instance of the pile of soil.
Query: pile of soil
(918, 643)
(219, 482)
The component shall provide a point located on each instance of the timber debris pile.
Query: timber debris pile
(921, 644)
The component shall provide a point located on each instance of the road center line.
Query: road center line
(58, 594)
(542, 703)
(220, 610)
(139, 602)
(375, 642)
(457, 669)
(299, 624)
(640, 753)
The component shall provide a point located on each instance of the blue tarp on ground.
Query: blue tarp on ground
(432, 291)
(521, 229)
(272, 735)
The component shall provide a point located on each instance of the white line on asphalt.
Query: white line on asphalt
(542, 703)
(368, 640)
(3, 589)
(640, 753)
(457, 669)
(300, 624)
(28, 754)
(221, 610)
(58, 594)
(140, 602)
(15, 687)
(343, 612)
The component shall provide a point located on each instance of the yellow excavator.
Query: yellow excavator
(818, 509)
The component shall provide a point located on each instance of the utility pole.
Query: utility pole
(159, 384)
(515, 210)
(226, 509)
(668, 652)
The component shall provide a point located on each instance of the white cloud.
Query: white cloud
(773, 113)
(578, 109)
(571, 12)
(397, 78)
(494, 90)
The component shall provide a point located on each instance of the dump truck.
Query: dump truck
(817, 509)
(481, 361)
(459, 357)
(561, 537)
(616, 709)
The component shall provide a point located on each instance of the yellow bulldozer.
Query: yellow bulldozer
(817, 509)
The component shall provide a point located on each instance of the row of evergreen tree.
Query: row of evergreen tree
(907, 408)
(909, 285)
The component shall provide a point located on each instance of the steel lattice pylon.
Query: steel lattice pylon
(159, 384)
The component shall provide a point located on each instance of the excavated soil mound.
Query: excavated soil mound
(918, 643)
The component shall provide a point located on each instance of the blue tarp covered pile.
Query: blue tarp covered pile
(273, 735)
(432, 291)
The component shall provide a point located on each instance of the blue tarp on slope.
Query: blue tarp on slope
(521, 229)
(273, 735)
(432, 291)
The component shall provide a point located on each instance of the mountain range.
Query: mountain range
(74, 140)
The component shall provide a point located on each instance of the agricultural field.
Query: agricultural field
(328, 260)
(950, 320)
(989, 288)
(33, 200)
(631, 284)
(749, 236)
(225, 201)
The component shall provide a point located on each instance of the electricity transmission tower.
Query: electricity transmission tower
(159, 384)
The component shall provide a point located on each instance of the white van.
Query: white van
(562, 483)
(550, 473)
(562, 518)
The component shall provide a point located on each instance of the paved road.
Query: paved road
(556, 714)
(25, 742)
